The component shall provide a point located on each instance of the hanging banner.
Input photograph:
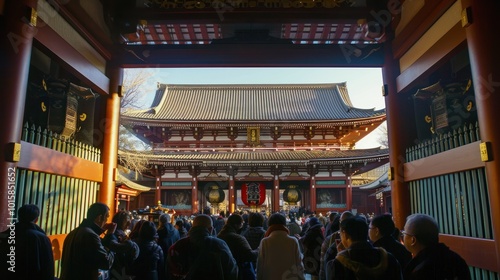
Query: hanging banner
(253, 194)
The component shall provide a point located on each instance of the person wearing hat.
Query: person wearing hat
(311, 244)
(150, 265)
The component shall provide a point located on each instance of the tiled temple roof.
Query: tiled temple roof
(265, 158)
(252, 103)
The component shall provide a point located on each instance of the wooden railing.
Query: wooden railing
(45, 178)
(447, 181)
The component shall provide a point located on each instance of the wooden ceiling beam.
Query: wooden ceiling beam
(272, 15)
(253, 55)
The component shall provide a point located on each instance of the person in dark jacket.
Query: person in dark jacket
(431, 259)
(241, 250)
(311, 244)
(255, 231)
(125, 250)
(361, 260)
(201, 255)
(150, 264)
(30, 246)
(380, 232)
(179, 226)
(167, 234)
(83, 251)
(329, 248)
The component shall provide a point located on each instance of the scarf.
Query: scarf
(272, 228)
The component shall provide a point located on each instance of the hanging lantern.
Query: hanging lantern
(292, 195)
(253, 194)
(215, 194)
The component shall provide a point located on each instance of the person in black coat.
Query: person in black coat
(361, 260)
(201, 255)
(83, 252)
(380, 232)
(126, 250)
(239, 246)
(31, 248)
(167, 234)
(431, 259)
(311, 243)
(150, 265)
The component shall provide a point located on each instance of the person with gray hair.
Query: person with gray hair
(431, 259)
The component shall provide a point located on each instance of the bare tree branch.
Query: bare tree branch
(134, 84)
(383, 139)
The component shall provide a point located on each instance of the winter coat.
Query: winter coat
(167, 235)
(254, 235)
(241, 250)
(311, 244)
(437, 262)
(362, 261)
(33, 253)
(394, 247)
(84, 254)
(126, 251)
(150, 264)
(279, 257)
(202, 256)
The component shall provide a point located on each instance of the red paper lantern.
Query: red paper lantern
(253, 194)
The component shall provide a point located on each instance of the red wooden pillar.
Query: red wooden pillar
(194, 171)
(312, 189)
(111, 128)
(194, 196)
(399, 112)
(276, 194)
(158, 172)
(15, 52)
(158, 188)
(232, 196)
(349, 192)
(484, 60)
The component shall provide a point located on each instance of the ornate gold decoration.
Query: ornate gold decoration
(253, 136)
(470, 104)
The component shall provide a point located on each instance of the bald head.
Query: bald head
(202, 221)
(424, 228)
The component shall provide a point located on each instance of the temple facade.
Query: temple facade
(273, 137)
(62, 66)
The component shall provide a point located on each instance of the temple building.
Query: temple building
(62, 67)
(255, 140)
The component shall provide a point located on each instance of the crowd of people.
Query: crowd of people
(239, 246)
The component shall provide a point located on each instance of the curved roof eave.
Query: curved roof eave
(251, 103)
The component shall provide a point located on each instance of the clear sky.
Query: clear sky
(364, 84)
